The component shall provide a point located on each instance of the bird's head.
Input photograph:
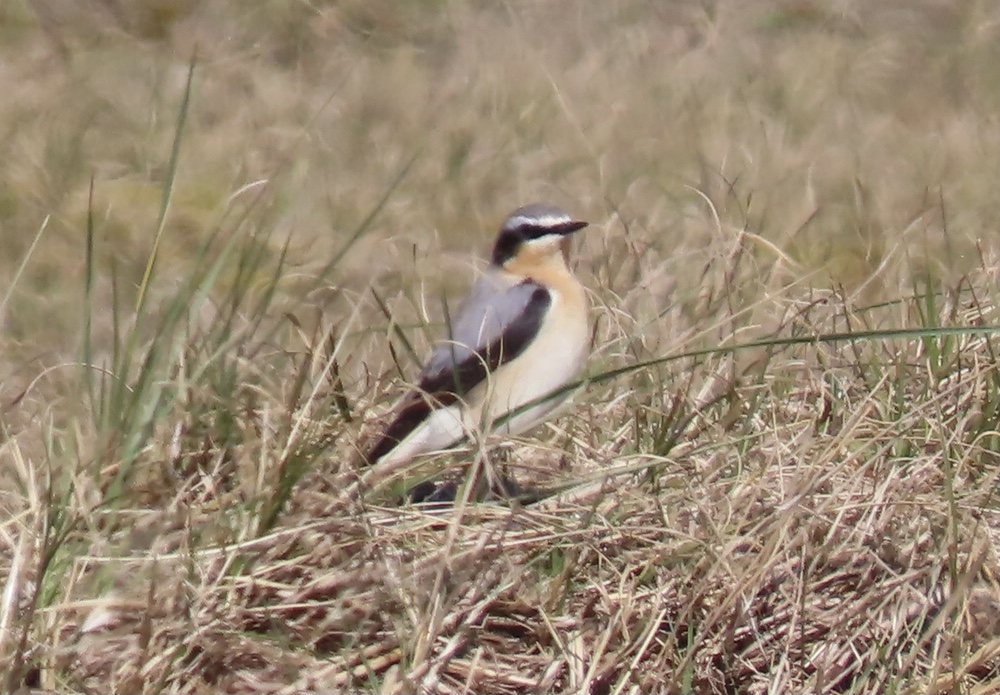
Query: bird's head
(536, 233)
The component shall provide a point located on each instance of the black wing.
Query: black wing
(493, 326)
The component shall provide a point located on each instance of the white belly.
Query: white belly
(553, 358)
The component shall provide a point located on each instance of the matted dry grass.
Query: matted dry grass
(781, 474)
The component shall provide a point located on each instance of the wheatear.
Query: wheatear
(521, 333)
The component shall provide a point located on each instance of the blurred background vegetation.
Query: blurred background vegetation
(850, 136)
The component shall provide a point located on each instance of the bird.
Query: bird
(521, 332)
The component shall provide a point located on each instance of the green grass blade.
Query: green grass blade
(20, 270)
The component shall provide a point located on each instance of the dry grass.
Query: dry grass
(780, 476)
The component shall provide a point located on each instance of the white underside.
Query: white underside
(551, 360)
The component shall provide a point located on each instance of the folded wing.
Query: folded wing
(494, 325)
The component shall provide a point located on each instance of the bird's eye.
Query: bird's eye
(533, 231)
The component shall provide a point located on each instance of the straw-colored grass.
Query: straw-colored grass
(226, 230)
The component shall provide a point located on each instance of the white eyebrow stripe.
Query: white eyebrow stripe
(543, 221)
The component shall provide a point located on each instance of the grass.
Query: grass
(221, 236)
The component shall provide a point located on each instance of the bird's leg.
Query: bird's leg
(502, 484)
(437, 493)
(488, 476)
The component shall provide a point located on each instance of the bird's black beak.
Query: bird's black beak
(570, 227)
